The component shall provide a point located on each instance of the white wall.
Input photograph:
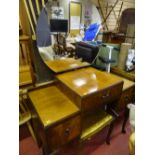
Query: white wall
(65, 5)
(95, 15)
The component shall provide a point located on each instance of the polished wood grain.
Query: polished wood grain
(98, 99)
(66, 64)
(51, 105)
(127, 83)
(63, 133)
(127, 75)
(25, 77)
(126, 98)
(88, 80)
(60, 106)
(23, 38)
(127, 95)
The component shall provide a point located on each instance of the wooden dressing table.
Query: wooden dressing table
(73, 106)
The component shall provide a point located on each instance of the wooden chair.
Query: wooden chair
(26, 70)
(100, 119)
(24, 114)
(122, 35)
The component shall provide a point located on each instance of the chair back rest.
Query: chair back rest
(33, 8)
(127, 17)
(24, 58)
(25, 62)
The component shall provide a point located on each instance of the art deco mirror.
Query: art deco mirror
(61, 17)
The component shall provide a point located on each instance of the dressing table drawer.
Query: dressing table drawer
(63, 132)
(97, 99)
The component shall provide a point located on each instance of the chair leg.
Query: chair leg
(109, 133)
(45, 151)
(31, 131)
(126, 116)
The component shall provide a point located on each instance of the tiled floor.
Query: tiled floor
(95, 146)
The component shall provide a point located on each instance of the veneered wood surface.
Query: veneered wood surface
(24, 76)
(127, 83)
(66, 64)
(88, 80)
(63, 132)
(52, 105)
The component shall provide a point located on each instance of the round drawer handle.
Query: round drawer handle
(67, 132)
(107, 94)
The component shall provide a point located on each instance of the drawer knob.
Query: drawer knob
(107, 94)
(67, 132)
(126, 98)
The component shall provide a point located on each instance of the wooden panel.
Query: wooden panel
(128, 94)
(76, 99)
(65, 64)
(106, 96)
(126, 97)
(25, 76)
(63, 132)
(127, 83)
(51, 105)
(127, 75)
(88, 80)
(28, 15)
(23, 18)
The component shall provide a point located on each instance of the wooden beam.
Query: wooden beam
(106, 9)
(111, 10)
(104, 21)
(119, 14)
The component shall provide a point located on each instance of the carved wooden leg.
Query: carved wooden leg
(126, 116)
(109, 133)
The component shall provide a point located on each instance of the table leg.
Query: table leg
(126, 116)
